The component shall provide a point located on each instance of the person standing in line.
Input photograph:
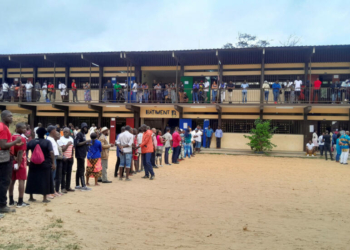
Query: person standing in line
(59, 166)
(327, 145)
(80, 153)
(139, 141)
(5, 160)
(338, 148)
(214, 91)
(168, 144)
(176, 146)
(160, 145)
(208, 134)
(52, 138)
(74, 91)
(147, 149)
(344, 142)
(193, 142)
(94, 167)
(37, 88)
(218, 135)
(266, 88)
(182, 144)
(321, 144)
(198, 140)
(297, 88)
(222, 88)
(195, 92)
(51, 92)
(244, 87)
(105, 153)
(92, 128)
(230, 88)
(187, 143)
(117, 164)
(63, 90)
(135, 153)
(40, 175)
(124, 143)
(181, 92)
(5, 91)
(154, 139)
(19, 171)
(66, 143)
(276, 88)
(134, 92)
(29, 87)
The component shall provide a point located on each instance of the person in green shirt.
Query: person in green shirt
(118, 89)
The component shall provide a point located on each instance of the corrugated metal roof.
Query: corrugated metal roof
(185, 50)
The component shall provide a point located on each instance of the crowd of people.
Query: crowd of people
(49, 154)
(202, 92)
(336, 144)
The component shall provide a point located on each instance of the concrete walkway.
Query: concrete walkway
(275, 153)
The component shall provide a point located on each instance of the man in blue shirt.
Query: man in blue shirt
(218, 135)
(208, 133)
(195, 92)
(276, 91)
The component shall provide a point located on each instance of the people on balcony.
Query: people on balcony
(276, 91)
(266, 88)
(214, 91)
(206, 90)
(29, 87)
(201, 97)
(51, 92)
(134, 92)
(230, 88)
(37, 88)
(316, 92)
(44, 88)
(5, 91)
(181, 92)
(158, 89)
(87, 92)
(118, 90)
(63, 90)
(297, 88)
(145, 92)
(244, 87)
(222, 88)
(139, 93)
(287, 91)
(195, 92)
(74, 91)
(12, 92)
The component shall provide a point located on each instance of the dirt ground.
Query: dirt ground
(207, 202)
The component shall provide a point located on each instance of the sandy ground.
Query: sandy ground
(208, 202)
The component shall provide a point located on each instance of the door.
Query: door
(188, 85)
(185, 123)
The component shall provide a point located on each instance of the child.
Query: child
(20, 173)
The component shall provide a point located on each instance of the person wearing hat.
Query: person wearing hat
(104, 154)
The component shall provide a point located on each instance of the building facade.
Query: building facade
(312, 109)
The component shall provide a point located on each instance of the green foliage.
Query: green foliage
(260, 136)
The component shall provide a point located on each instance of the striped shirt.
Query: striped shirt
(344, 142)
(63, 141)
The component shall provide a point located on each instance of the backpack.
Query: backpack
(37, 156)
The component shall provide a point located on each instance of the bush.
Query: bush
(260, 136)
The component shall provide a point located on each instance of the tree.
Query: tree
(228, 46)
(248, 41)
(292, 40)
(260, 136)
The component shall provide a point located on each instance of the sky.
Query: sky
(44, 26)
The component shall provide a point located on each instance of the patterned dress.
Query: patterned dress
(94, 166)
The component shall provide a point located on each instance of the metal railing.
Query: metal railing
(187, 95)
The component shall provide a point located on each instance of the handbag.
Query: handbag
(37, 156)
(170, 151)
(4, 156)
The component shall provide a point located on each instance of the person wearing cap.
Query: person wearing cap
(105, 153)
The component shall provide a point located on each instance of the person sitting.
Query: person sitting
(310, 149)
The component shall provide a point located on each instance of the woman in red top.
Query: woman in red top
(317, 86)
(51, 90)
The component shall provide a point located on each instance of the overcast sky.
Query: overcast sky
(39, 26)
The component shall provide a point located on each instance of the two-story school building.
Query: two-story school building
(312, 109)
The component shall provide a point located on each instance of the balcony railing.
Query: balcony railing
(236, 96)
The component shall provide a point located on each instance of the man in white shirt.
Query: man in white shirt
(29, 87)
(92, 129)
(36, 128)
(134, 91)
(310, 149)
(52, 135)
(66, 143)
(321, 144)
(193, 145)
(5, 91)
(124, 143)
(63, 88)
(297, 86)
(167, 145)
(198, 139)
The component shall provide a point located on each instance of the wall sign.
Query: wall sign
(158, 112)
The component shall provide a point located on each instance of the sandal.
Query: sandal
(46, 201)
